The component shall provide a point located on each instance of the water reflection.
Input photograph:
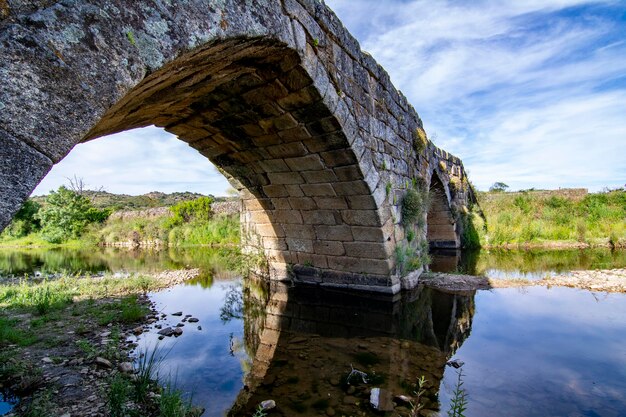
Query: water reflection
(527, 264)
(216, 262)
(309, 339)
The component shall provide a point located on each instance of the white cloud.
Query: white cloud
(529, 93)
(137, 162)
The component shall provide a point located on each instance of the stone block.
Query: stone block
(329, 247)
(330, 203)
(274, 165)
(285, 178)
(287, 150)
(271, 243)
(361, 217)
(328, 142)
(305, 163)
(368, 234)
(348, 173)
(294, 190)
(295, 134)
(318, 190)
(318, 261)
(351, 188)
(340, 157)
(338, 232)
(300, 245)
(281, 204)
(275, 191)
(269, 230)
(302, 203)
(282, 256)
(316, 177)
(328, 217)
(359, 265)
(371, 250)
(361, 202)
(299, 231)
(287, 216)
(300, 98)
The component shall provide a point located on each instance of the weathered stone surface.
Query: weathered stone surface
(307, 127)
(20, 170)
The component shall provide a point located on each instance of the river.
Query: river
(525, 351)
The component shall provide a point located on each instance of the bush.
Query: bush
(199, 209)
(413, 205)
(66, 215)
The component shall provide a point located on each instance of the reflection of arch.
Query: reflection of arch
(310, 336)
(440, 223)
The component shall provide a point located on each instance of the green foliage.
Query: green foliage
(172, 403)
(498, 187)
(25, 221)
(420, 140)
(117, 396)
(198, 209)
(66, 214)
(458, 404)
(411, 257)
(413, 207)
(11, 334)
(544, 217)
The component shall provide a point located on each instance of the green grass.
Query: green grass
(542, 218)
(10, 333)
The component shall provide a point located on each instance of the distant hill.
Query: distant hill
(103, 199)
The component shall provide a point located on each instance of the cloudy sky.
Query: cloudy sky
(531, 93)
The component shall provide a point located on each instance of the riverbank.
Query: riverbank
(549, 219)
(608, 280)
(64, 348)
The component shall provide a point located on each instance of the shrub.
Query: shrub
(66, 214)
(199, 209)
(413, 205)
(420, 140)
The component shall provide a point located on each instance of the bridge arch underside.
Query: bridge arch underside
(441, 230)
(251, 108)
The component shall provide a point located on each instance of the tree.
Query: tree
(498, 187)
(25, 220)
(66, 214)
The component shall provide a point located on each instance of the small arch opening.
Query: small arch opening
(440, 223)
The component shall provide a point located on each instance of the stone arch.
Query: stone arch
(277, 94)
(441, 230)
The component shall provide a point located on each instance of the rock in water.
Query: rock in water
(456, 363)
(168, 331)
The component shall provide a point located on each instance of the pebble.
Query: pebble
(125, 367)
(46, 360)
(103, 363)
(199, 327)
(330, 412)
(193, 320)
(178, 313)
(267, 405)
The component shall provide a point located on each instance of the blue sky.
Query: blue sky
(531, 93)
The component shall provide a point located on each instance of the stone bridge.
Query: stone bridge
(277, 94)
